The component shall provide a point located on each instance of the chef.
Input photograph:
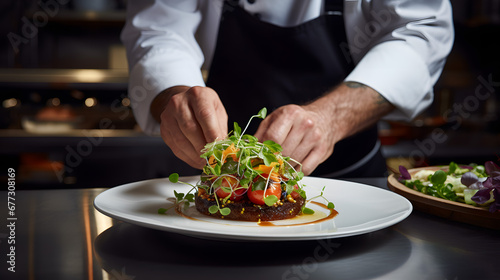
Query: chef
(326, 70)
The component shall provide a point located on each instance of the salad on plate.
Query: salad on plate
(477, 185)
(247, 180)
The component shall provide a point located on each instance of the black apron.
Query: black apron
(258, 64)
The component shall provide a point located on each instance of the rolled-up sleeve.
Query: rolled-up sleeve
(162, 52)
(400, 48)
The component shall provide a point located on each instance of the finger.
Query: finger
(263, 127)
(179, 116)
(312, 160)
(223, 120)
(275, 127)
(191, 130)
(181, 147)
(211, 116)
(295, 144)
(316, 153)
(183, 142)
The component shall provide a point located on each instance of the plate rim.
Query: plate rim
(400, 216)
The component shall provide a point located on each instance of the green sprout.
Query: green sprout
(250, 153)
(185, 199)
(309, 211)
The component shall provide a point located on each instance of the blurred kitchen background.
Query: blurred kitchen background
(66, 121)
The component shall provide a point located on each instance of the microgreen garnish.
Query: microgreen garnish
(185, 199)
(174, 177)
(330, 204)
(270, 200)
(241, 154)
(262, 115)
(307, 211)
(240, 161)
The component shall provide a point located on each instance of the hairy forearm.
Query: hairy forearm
(351, 107)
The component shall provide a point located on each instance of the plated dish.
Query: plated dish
(247, 180)
(457, 210)
(362, 209)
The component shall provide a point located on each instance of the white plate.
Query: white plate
(362, 209)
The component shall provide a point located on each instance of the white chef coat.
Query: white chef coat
(399, 46)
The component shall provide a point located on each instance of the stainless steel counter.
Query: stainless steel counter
(59, 235)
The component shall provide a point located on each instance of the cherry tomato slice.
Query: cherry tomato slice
(295, 194)
(230, 183)
(256, 190)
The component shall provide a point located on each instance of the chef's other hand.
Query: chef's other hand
(190, 117)
(308, 133)
(303, 134)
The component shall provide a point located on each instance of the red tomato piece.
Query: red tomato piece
(295, 194)
(256, 190)
(228, 183)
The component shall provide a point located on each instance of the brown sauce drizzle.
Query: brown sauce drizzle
(332, 215)
(179, 211)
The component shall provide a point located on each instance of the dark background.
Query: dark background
(106, 148)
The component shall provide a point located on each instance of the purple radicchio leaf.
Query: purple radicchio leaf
(488, 183)
(481, 184)
(495, 174)
(476, 186)
(485, 183)
(482, 196)
(495, 180)
(468, 179)
(495, 206)
(405, 175)
(491, 167)
(466, 167)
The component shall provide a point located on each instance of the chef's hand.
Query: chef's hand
(190, 118)
(309, 133)
(302, 132)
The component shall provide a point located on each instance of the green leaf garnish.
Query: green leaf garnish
(330, 205)
(273, 146)
(189, 197)
(439, 177)
(237, 130)
(230, 167)
(213, 209)
(224, 211)
(452, 168)
(259, 185)
(302, 193)
(270, 200)
(245, 182)
(179, 197)
(174, 177)
(262, 113)
(217, 169)
(269, 159)
(307, 211)
(248, 154)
